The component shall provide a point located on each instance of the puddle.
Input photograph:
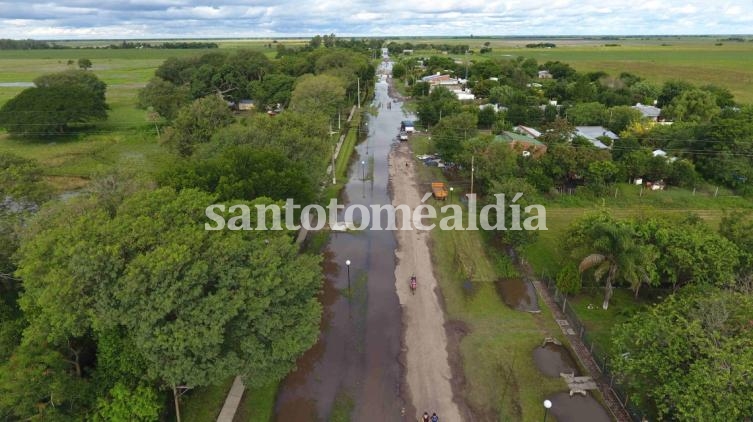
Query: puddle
(577, 409)
(517, 294)
(554, 359)
(16, 84)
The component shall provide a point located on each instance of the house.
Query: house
(407, 52)
(593, 133)
(648, 111)
(544, 74)
(438, 79)
(663, 154)
(496, 107)
(525, 130)
(464, 95)
(524, 143)
(245, 105)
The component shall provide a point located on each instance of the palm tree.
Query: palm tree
(616, 256)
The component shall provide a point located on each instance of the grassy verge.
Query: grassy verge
(497, 351)
(204, 404)
(257, 405)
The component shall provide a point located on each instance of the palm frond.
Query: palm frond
(590, 261)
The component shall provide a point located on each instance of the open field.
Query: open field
(658, 59)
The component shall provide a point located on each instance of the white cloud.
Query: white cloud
(232, 18)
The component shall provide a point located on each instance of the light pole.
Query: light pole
(347, 264)
(363, 170)
(547, 406)
(451, 189)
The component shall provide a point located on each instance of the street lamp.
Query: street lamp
(451, 189)
(363, 170)
(347, 264)
(547, 406)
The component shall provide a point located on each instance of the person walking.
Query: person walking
(434, 417)
(425, 417)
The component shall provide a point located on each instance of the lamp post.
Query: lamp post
(451, 189)
(347, 264)
(547, 406)
(363, 170)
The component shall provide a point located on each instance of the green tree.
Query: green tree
(568, 279)
(613, 254)
(449, 134)
(42, 111)
(587, 114)
(693, 105)
(621, 117)
(196, 123)
(272, 90)
(318, 94)
(129, 405)
(689, 357)
(440, 103)
(199, 306)
(84, 64)
(164, 97)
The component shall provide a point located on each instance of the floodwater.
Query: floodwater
(577, 409)
(358, 352)
(553, 359)
(16, 84)
(518, 294)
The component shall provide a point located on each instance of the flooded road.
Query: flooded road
(356, 361)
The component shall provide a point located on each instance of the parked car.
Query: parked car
(403, 136)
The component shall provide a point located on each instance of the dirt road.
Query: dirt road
(428, 373)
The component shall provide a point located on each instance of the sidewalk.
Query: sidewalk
(584, 356)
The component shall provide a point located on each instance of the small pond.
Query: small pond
(518, 294)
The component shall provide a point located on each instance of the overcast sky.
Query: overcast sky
(68, 19)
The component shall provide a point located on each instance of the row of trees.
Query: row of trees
(250, 74)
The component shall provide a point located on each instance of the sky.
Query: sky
(92, 19)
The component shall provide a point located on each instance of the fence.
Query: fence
(600, 358)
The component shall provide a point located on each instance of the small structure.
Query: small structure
(246, 105)
(438, 79)
(407, 52)
(579, 385)
(464, 95)
(525, 130)
(544, 74)
(648, 111)
(593, 133)
(524, 143)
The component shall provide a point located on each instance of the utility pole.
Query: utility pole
(466, 65)
(334, 171)
(358, 81)
(473, 169)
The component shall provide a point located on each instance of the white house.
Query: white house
(593, 133)
(648, 111)
(544, 74)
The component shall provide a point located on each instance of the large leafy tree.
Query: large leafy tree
(318, 94)
(164, 97)
(452, 131)
(197, 306)
(690, 357)
(196, 123)
(440, 103)
(42, 111)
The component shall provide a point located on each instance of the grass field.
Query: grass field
(658, 59)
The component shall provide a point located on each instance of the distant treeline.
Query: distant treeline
(168, 45)
(6, 44)
(733, 39)
(541, 45)
(396, 48)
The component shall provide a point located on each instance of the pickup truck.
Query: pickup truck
(439, 190)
